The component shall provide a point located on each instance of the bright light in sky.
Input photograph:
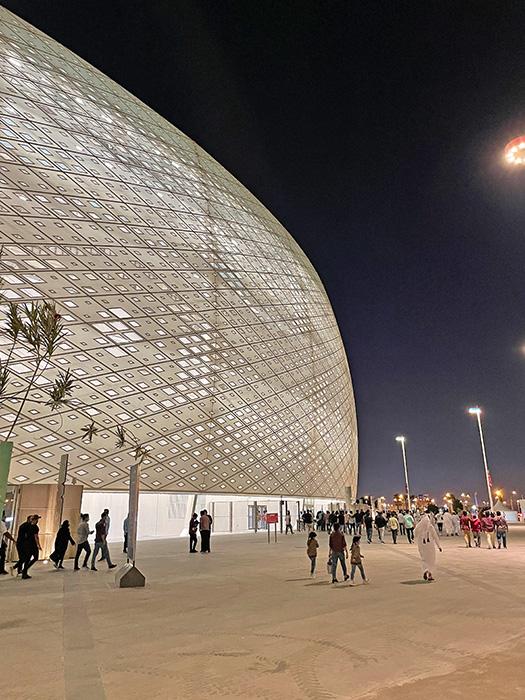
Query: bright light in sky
(515, 151)
(475, 411)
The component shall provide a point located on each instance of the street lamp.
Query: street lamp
(513, 493)
(402, 439)
(476, 411)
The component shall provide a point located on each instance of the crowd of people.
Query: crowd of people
(423, 529)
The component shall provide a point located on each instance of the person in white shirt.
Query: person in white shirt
(401, 520)
(83, 532)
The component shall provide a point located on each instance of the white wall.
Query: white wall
(168, 514)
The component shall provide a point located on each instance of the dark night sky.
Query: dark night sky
(373, 131)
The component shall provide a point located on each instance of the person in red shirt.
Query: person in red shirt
(488, 527)
(475, 525)
(465, 525)
(338, 552)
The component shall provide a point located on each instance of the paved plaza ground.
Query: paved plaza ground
(247, 622)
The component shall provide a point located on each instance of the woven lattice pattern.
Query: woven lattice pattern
(193, 318)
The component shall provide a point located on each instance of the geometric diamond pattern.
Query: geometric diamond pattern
(192, 316)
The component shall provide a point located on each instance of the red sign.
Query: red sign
(271, 518)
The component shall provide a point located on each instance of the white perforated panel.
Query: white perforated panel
(193, 318)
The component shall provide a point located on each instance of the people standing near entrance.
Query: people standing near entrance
(125, 529)
(502, 529)
(465, 525)
(312, 546)
(5, 536)
(409, 527)
(83, 533)
(62, 540)
(205, 530)
(393, 524)
(369, 522)
(288, 523)
(356, 560)
(380, 523)
(488, 527)
(427, 541)
(475, 525)
(338, 552)
(101, 544)
(193, 528)
(308, 520)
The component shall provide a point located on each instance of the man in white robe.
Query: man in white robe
(427, 541)
(448, 523)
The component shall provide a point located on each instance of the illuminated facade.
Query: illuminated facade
(193, 317)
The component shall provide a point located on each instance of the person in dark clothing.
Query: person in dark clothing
(101, 543)
(338, 552)
(62, 539)
(380, 522)
(359, 517)
(125, 530)
(193, 529)
(205, 530)
(28, 545)
(369, 522)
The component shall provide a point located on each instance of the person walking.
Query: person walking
(488, 527)
(457, 524)
(101, 544)
(409, 527)
(356, 560)
(427, 541)
(5, 536)
(312, 546)
(369, 522)
(359, 519)
(401, 520)
(475, 525)
(193, 528)
(439, 521)
(83, 533)
(380, 523)
(465, 525)
(338, 552)
(21, 537)
(28, 545)
(502, 529)
(205, 530)
(288, 523)
(393, 524)
(448, 523)
(62, 540)
(351, 523)
(107, 521)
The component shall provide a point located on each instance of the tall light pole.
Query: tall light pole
(402, 439)
(476, 411)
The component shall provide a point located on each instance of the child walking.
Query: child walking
(356, 560)
(311, 549)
